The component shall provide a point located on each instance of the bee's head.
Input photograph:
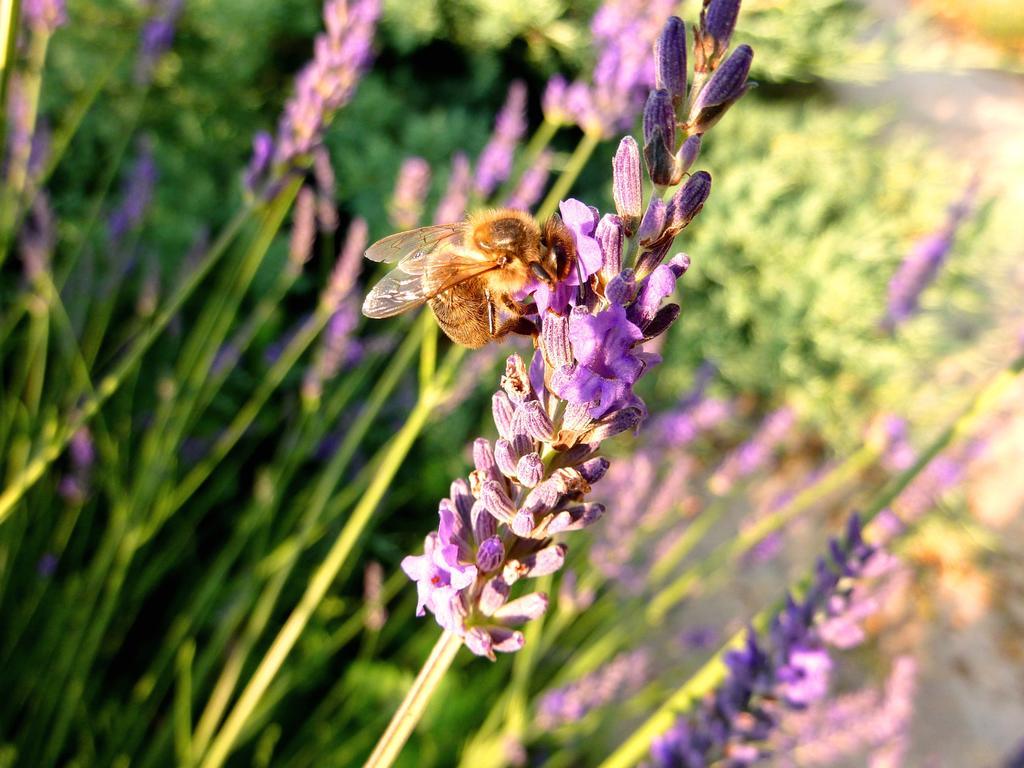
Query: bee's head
(558, 250)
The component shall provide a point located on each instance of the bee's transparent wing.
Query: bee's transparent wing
(415, 241)
(420, 277)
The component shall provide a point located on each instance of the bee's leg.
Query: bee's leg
(490, 314)
(519, 325)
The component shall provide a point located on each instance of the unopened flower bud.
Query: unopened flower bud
(483, 457)
(530, 470)
(687, 154)
(483, 522)
(719, 22)
(493, 596)
(554, 340)
(522, 524)
(504, 456)
(490, 554)
(609, 235)
(576, 518)
(533, 421)
(627, 185)
(654, 221)
(724, 88)
(670, 59)
(622, 288)
(494, 497)
(687, 202)
(542, 563)
(524, 609)
(594, 469)
(503, 410)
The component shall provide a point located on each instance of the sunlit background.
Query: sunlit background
(182, 449)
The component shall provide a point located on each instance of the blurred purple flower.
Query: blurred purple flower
(623, 34)
(495, 162)
(136, 197)
(616, 681)
(921, 266)
(325, 84)
(752, 455)
(453, 204)
(337, 295)
(37, 237)
(406, 208)
(300, 246)
(532, 183)
(157, 35)
(47, 565)
(44, 16)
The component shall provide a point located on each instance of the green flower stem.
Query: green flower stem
(314, 508)
(9, 16)
(328, 570)
(17, 171)
(569, 174)
(109, 384)
(636, 747)
(411, 710)
(183, 704)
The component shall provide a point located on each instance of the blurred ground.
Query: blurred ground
(970, 699)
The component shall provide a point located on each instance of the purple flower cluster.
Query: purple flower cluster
(322, 87)
(495, 162)
(531, 484)
(552, 418)
(787, 670)
(623, 33)
(921, 266)
(44, 16)
(156, 36)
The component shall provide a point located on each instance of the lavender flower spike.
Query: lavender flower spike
(532, 184)
(328, 82)
(786, 670)
(456, 197)
(495, 162)
(497, 527)
(577, 392)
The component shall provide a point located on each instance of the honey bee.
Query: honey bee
(471, 272)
